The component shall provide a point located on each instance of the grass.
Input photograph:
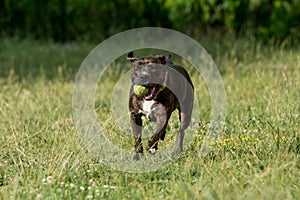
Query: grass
(42, 156)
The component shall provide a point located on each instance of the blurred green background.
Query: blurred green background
(92, 20)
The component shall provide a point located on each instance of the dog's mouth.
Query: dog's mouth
(154, 90)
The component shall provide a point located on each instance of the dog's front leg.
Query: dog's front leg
(161, 122)
(136, 125)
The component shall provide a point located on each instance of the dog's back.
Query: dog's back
(179, 69)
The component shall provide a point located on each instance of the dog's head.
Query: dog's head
(149, 71)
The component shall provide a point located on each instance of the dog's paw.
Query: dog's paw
(152, 151)
(178, 151)
(138, 156)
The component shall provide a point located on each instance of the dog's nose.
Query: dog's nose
(144, 75)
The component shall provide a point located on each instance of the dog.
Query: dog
(169, 88)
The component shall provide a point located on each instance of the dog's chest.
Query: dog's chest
(147, 108)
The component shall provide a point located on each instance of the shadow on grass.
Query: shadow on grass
(31, 60)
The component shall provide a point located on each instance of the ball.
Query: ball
(140, 90)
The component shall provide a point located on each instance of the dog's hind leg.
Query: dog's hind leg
(180, 135)
(185, 115)
(136, 125)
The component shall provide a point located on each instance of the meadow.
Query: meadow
(256, 157)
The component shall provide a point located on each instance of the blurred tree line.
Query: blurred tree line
(64, 20)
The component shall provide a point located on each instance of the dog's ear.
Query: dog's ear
(130, 57)
(168, 60)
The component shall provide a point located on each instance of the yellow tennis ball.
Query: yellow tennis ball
(140, 90)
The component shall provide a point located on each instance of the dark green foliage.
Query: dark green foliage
(63, 20)
(277, 19)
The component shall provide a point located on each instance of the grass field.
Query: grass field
(257, 157)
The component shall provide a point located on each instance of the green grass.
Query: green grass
(257, 157)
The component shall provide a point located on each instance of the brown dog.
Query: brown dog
(169, 88)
